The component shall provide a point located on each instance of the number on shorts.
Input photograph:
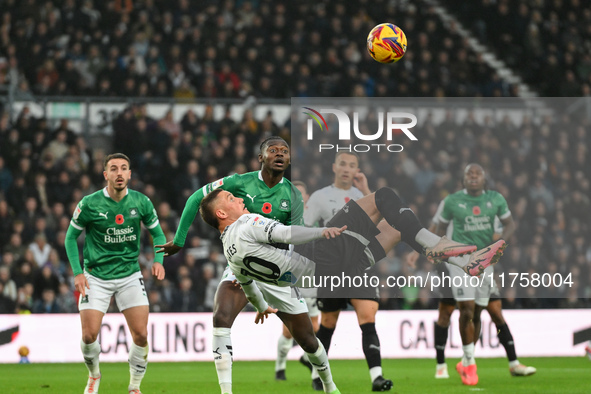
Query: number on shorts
(251, 263)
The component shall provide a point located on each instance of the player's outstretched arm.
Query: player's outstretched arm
(187, 218)
(295, 235)
(261, 316)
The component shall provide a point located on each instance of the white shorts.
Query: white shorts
(129, 292)
(477, 289)
(284, 299)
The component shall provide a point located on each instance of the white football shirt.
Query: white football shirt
(324, 203)
(248, 246)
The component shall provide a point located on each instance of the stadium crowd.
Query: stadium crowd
(44, 172)
(231, 49)
(237, 48)
(547, 42)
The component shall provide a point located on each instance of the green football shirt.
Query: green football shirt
(474, 217)
(112, 243)
(283, 202)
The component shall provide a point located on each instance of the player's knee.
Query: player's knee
(89, 338)
(140, 338)
(309, 343)
(329, 321)
(443, 320)
(387, 198)
(222, 319)
(444, 316)
(466, 312)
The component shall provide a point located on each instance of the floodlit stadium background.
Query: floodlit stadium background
(188, 91)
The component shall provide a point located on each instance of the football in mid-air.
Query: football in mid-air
(386, 43)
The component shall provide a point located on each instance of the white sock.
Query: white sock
(222, 355)
(319, 360)
(459, 261)
(468, 358)
(513, 363)
(375, 372)
(138, 362)
(426, 238)
(314, 374)
(284, 345)
(91, 357)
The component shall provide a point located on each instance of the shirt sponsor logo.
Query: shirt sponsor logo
(119, 235)
(77, 212)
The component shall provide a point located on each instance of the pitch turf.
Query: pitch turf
(555, 375)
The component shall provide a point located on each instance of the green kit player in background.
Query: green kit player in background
(112, 218)
(268, 193)
(471, 213)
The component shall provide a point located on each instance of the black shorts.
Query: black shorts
(345, 255)
(338, 304)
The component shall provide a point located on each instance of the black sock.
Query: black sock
(325, 336)
(371, 345)
(399, 216)
(506, 340)
(440, 341)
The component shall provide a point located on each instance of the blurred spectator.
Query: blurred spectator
(40, 249)
(47, 303)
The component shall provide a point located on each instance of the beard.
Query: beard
(121, 187)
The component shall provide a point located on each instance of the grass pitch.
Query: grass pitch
(555, 375)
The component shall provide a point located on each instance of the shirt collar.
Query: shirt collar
(261, 177)
(106, 193)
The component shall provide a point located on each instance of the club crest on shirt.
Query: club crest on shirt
(284, 205)
(133, 212)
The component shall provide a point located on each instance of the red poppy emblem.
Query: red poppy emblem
(476, 210)
(267, 207)
(347, 199)
(119, 219)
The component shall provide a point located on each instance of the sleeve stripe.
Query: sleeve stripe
(76, 226)
(269, 237)
(153, 224)
(204, 190)
(506, 215)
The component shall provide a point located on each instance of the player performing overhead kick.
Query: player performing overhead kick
(249, 244)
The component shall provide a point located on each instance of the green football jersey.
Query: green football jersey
(283, 202)
(474, 217)
(112, 243)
